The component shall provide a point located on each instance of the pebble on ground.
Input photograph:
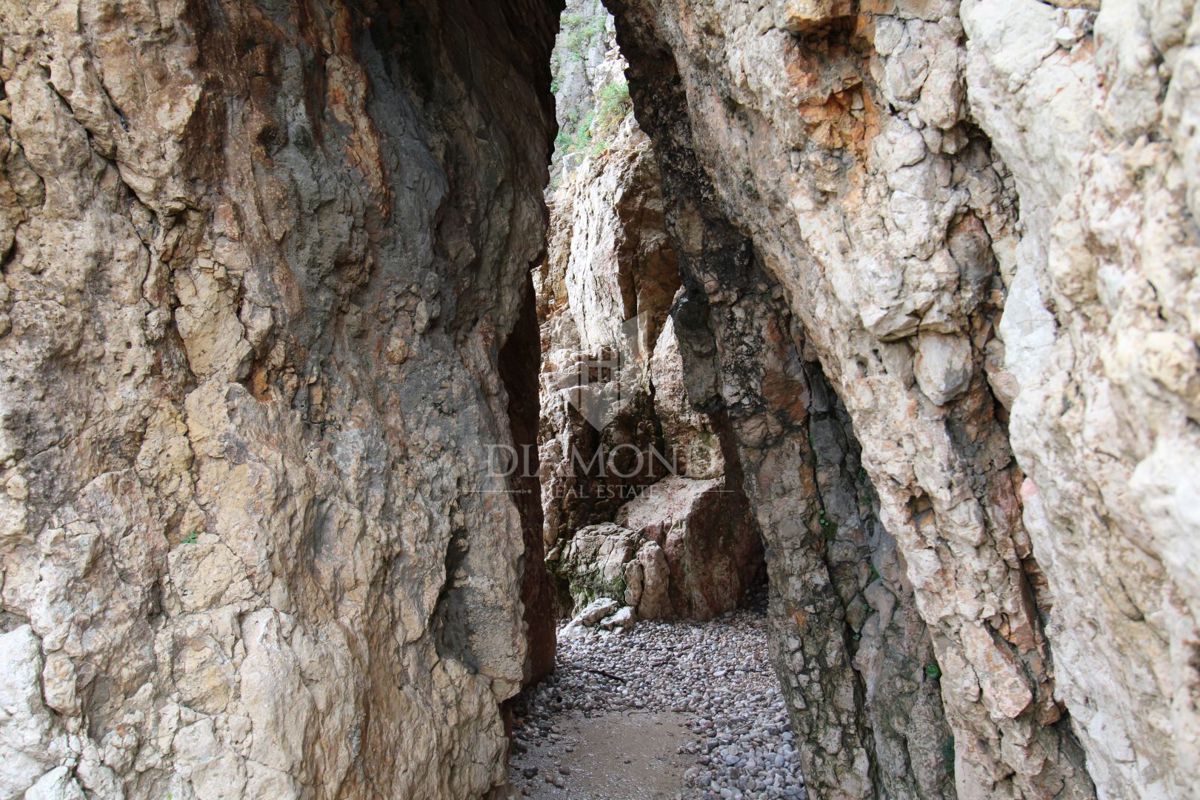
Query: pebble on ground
(715, 673)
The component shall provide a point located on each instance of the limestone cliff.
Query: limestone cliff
(260, 261)
(967, 209)
(266, 310)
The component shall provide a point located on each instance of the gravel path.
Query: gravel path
(678, 710)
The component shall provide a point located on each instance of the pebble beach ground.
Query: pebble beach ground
(665, 710)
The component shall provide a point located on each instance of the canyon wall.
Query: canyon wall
(261, 264)
(728, 383)
(265, 309)
(640, 504)
(981, 219)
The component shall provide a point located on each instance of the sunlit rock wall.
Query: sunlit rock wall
(972, 211)
(259, 263)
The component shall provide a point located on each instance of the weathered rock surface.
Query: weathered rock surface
(621, 441)
(709, 544)
(1100, 337)
(264, 268)
(873, 159)
(259, 264)
(593, 561)
(678, 550)
(595, 611)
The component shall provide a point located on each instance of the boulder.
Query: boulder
(595, 611)
(702, 550)
(592, 563)
(622, 620)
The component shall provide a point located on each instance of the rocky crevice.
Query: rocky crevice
(641, 504)
(538, 602)
(264, 270)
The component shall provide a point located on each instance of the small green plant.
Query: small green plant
(612, 105)
(828, 526)
(592, 133)
(580, 30)
(575, 135)
(933, 671)
(191, 537)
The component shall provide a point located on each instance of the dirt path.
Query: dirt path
(613, 756)
(666, 710)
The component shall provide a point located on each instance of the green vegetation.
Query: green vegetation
(612, 106)
(586, 131)
(592, 134)
(591, 585)
(191, 537)
(580, 30)
(933, 671)
(828, 527)
(575, 135)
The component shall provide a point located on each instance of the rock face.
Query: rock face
(260, 262)
(1100, 338)
(709, 545)
(682, 549)
(621, 442)
(872, 159)
(922, 272)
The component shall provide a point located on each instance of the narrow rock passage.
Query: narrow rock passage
(664, 710)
